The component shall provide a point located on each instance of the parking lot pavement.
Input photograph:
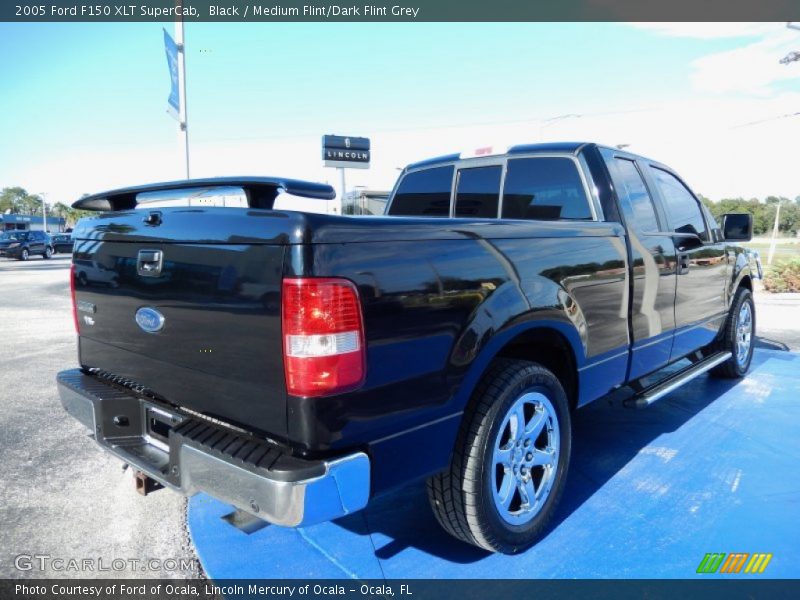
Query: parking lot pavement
(712, 467)
(778, 321)
(60, 496)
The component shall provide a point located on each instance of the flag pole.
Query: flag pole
(183, 120)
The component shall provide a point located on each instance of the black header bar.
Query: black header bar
(34, 11)
(735, 588)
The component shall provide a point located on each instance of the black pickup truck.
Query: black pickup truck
(294, 365)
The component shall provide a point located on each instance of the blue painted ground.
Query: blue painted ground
(714, 467)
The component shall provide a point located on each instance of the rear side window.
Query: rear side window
(424, 194)
(544, 189)
(682, 208)
(478, 192)
(637, 205)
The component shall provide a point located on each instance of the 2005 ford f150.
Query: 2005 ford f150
(294, 365)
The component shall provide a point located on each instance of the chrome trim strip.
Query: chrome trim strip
(605, 360)
(418, 427)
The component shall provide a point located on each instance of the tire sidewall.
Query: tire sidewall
(518, 537)
(744, 295)
(24, 254)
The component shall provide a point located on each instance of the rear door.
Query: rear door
(700, 299)
(37, 242)
(653, 260)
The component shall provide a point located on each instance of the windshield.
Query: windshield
(15, 235)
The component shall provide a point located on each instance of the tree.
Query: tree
(17, 201)
(69, 214)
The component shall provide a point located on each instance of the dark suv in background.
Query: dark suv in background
(62, 243)
(24, 244)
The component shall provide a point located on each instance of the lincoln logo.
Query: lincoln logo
(347, 154)
(346, 142)
(149, 319)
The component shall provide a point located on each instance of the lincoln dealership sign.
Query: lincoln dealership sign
(345, 152)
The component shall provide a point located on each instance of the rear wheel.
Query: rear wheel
(510, 463)
(738, 336)
(48, 252)
(24, 255)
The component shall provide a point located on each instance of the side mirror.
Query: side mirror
(737, 227)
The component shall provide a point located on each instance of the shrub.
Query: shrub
(784, 277)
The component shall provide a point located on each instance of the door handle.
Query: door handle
(153, 218)
(683, 264)
(149, 262)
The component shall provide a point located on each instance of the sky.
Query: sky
(83, 106)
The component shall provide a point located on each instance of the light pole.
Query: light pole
(789, 58)
(42, 195)
(774, 233)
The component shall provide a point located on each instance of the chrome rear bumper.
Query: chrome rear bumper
(190, 455)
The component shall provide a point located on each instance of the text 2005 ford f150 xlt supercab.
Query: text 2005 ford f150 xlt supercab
(294, 365)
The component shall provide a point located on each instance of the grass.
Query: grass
(786, 249)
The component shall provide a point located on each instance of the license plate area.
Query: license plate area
(158, 424)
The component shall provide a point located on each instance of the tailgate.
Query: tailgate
(188, 308)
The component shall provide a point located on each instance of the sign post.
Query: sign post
(343, 152)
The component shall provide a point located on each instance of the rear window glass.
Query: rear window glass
(424, 194)
(478, 192)
(547, 188)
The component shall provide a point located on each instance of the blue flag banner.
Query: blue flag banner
(174, 101)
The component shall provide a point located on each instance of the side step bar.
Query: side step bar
(648, 395)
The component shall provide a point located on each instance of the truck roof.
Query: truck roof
(545, 147)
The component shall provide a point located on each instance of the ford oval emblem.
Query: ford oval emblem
(149, 319)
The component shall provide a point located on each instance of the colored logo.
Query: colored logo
(736, 562)
(149, 319)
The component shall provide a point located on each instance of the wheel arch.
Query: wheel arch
(553, 344)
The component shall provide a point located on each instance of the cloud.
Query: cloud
(709, 31)
(751, 69)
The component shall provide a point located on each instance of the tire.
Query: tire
(48, 252)
(24, 254)
(468, 498)
(737, 336)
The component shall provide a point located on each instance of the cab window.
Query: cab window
(546, 188)
(478, 192)
(635, 200)
(683, 210)
(424, 194)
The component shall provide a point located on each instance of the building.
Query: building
(31, 223)
(362, 201)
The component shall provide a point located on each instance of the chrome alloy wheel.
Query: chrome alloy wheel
(744, 332)
(525, 458)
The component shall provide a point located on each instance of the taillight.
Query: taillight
(323, 336)
(72, 294)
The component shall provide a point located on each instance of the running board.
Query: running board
(647, 396)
